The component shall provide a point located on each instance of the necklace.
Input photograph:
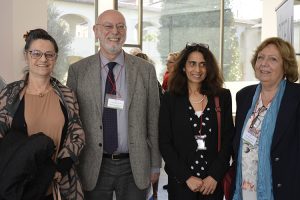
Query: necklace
(197, 101)
(42, 94)
(38, 93)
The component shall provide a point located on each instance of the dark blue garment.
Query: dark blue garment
(109, 118)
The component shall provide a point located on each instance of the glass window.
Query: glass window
(297, 28)
(242, 34)
(130, 9)
(297, 31)
(166, 27)
(71, 22)
(169, 25)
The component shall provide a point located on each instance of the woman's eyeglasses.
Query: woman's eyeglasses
(37, 54)
(188, 45)
(256, 120)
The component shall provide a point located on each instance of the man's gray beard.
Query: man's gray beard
(113, 50)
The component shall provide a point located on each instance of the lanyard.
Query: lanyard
(201, 119)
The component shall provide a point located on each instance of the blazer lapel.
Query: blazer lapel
(94, 79)
(131, 74)
(244, 111)
(288, 106)
(181, 116)
(185, 113)
(244, 107)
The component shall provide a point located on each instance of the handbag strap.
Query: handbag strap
(218, 110)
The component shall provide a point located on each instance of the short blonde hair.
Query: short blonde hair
(287, 53)
(175, 55)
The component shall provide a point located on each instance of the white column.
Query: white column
(269, 18)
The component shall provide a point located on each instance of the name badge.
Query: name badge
(249, 137)
(201, 142)
(111, 101)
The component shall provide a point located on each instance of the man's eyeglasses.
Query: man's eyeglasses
(257, 121)
(188, 45)
(37, 54)
(110, 27)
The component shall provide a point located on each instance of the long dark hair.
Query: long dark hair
(213, 82)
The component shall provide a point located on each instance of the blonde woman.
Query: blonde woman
(171, 60)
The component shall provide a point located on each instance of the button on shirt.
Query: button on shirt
(121, 90)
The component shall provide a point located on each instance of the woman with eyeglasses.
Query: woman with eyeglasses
(188, 127)
(267, 138)
(39, 109)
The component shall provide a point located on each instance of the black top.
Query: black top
(176, 136)
(200, 161)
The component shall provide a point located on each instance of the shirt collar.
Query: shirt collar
(120, 59)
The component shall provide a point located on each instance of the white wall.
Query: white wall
(17, 17)
(269, 18)
(6, 47)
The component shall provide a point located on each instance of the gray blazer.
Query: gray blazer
(143, 109)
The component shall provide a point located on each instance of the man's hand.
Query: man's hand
(209, 186)
(194, 183)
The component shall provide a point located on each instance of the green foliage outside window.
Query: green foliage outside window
(58, 30)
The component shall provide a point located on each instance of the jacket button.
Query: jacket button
(100, 144)
(100, 127)
(276, 159)
(279, 185)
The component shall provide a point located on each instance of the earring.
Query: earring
(183, 69)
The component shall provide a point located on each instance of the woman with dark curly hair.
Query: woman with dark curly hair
(188, 126)
(39, 108)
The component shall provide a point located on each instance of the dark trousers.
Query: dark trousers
(180, 191)
(116, 175)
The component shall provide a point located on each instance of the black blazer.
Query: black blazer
(176, 137)
(285, 148)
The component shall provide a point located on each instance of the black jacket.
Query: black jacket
(285, 149)
(176, 138)
(26, 167)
